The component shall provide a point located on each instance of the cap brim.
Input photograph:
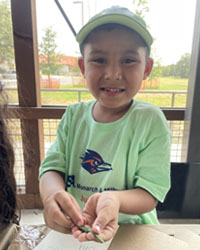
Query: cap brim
(118, 19)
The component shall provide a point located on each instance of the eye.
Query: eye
(128, 60)
(99, 60)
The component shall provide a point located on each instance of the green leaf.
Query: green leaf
(85, 229)
(99, 238)
(89, 230)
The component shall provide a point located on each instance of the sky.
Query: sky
(171, 23)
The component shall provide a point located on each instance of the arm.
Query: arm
(61, 211)
(102, 210)
(135, 201)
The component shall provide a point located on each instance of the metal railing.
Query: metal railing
(80, 91)
(172, 93)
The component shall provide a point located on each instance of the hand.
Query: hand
(62, 212)
(101, 214)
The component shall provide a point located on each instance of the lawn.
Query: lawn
(173, 84)
(162, 100)
(165, 99)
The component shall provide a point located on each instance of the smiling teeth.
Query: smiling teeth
(113, 90)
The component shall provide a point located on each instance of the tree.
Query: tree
(169, 70)
(141, 7)
(6, 35)
(180, 69)
(183, 66)
(49, 59)
(166, 70)
(156, 71)
(157, 68)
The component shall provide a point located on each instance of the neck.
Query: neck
(107, 115)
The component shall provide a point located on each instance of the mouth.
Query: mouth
(112, 90)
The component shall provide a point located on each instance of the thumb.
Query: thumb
(100, 223)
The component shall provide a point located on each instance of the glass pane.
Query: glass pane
(171, 50)
(7, 62)
(61, 81)
(167, 22)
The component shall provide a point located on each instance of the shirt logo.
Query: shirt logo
(93, 162)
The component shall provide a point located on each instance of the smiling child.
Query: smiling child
(110, 163)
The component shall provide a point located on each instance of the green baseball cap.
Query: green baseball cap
(118, 15)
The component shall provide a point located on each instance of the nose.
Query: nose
(113, 72)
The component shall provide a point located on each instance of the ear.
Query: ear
(148, 68)
(81, 65)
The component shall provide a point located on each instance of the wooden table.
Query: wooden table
(157, 237)
(129, 237)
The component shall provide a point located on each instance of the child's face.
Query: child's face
(114, 66)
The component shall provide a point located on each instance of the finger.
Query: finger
(72, 210)
(75, 203)
(105, 226)
(60, 229)
(66, 200)
(101, 221)
(90, 236)
(82, 236)
(89, 233)
(95, 237)
(76, 232)
(89, 211)
(53, 215)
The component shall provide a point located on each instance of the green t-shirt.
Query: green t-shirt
(133, 151)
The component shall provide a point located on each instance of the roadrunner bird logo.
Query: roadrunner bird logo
(93, 162)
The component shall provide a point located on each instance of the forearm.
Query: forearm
(135, 201)
(61, 211)
(50, 183)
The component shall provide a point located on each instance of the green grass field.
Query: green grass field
(173, 84)
(162, 100)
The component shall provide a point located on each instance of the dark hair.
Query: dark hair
(110, 27)
(8, 201)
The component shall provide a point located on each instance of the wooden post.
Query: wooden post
(28, 81)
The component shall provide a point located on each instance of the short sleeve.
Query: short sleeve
(153, 168)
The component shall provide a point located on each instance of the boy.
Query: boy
(110, 162)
